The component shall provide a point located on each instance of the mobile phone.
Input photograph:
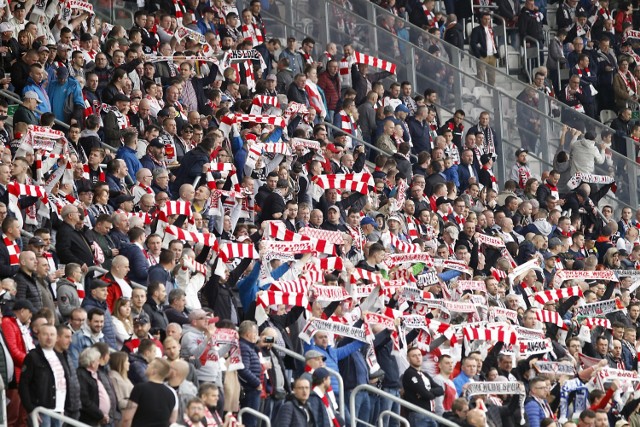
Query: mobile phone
(269, 340)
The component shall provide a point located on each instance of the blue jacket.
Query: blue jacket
(204, 28)
(137, 369)
(248, 286)
(460, 381)
(108, 330)
(79, 342)
(250, 374)
(334, 355)
(534, 412)
(130, 158)
(58, 94)
(451, 175)
(157, 273)
(138, 262)
(45, 105)
(419, 135)
(464, 175)
(190, 168)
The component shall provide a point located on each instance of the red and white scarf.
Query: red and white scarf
(629, 81)
(431, 17)
(253, 33)
(329, 404)
(13, 249)
(494, 181)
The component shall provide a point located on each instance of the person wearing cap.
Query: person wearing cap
(321, 405)
(62, 89)
(97, 298)
(195, 342)
(26, 112)
(154, 158)
(9, 47)
(116, 122)
(333, 221)
(35, 83)
(141, 328)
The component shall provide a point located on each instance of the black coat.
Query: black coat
(292, 414)
(6, 270)
(90, 412)
(478, 42)
(37, 384)
(190, 168)
(73, 246)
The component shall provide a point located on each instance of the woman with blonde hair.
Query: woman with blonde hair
(119, 376)
(122, 320)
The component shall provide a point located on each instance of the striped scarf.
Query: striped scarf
(329, 405)
(13, 249)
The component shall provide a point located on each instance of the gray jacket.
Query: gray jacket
(67, 298)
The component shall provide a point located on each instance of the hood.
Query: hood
(86, 133)
(543, 226)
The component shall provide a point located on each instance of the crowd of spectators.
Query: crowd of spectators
(205, 200)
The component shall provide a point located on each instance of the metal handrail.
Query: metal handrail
(526, 55)
(391, 414)
(12, 96)
(254, 413)
(53, 414)
(105, 271)
(504, 34)
(3, 402)
(331, 371)
(374, 390)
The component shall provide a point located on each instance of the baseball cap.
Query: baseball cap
(332, 147)
(19, 304)
(121, 97)
(62, 73)
(394, 218)
(334, 207)
(225, 98)
(155, 142)
(520, 151)
(63, 46)
(272, 77)
(97, 283)
(19, 6)
(43, 49)
(442, 200)
(312, 354)
(31, 94)
(36, 241)
(320, 374)
(5, 27)
(122, 198)
(141, 319)
(484, 159)
(402, 109)
(367, 220)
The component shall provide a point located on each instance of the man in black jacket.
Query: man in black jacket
(193, 164)
(295, 411)
(44, 376)
(63, 342)
(71, 244)
(419, 388)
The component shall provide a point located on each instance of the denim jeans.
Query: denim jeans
(363, 405)
(47, 421)
(379, 404)
(251, 400)
(420, 420)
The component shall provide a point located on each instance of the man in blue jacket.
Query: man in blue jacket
(60, 90)
(320, 342)
(35, 82)
(536, 406)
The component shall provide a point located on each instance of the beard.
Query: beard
(195, 418)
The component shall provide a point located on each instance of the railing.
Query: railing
(391, 414)
(503, 29)
(12, 96)
(366, 388)
(337, 375)
(3, 402)
(254, 413)
(456, 83)
(528, 60)
(48, 412)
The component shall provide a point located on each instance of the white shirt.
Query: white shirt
(58, 374)
(491, 45)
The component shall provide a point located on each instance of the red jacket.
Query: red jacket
(15, 343)
(331, 87)
(114, 293)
